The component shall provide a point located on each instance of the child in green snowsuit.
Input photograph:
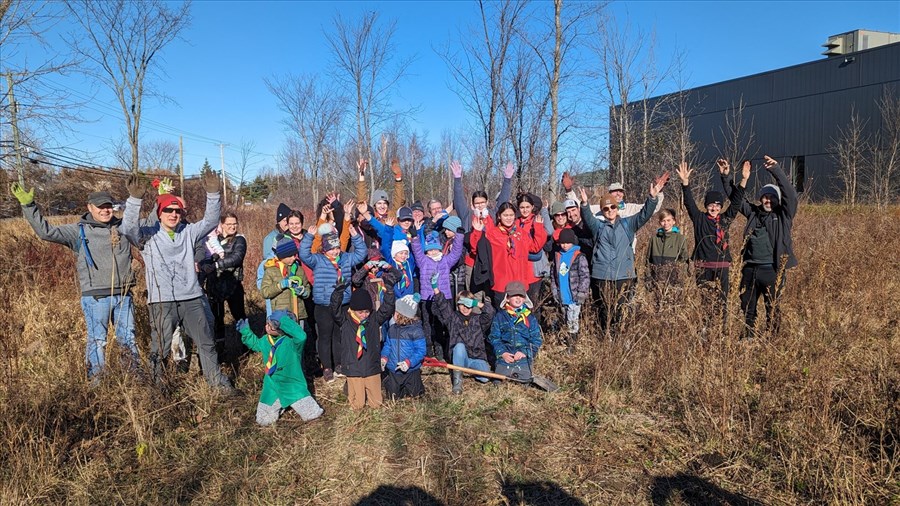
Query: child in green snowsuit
(284, 384)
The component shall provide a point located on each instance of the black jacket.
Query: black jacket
(469, 330)
(705, 247)
(778, 223)
(369, 364)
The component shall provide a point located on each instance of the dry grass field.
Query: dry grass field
(664, 414)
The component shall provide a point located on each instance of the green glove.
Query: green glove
(434, 280)
(24, 197)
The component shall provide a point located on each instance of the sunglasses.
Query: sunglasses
(170, 210)
(560, 214)
(608, 208)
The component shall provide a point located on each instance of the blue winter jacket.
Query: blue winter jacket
(613, 257)
(404, 343)
(387, 234)
(325, 273)
(507, 336)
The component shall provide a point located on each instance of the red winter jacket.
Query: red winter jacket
(509, 251)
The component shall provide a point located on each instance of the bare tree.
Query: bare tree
(735, 140)
(524, 108)
(364, 62)
(124, 40)
(882, 174)
(247, 158)
(314, 113)
(850, 147)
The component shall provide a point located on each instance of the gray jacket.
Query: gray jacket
(103, 260)
(169, 261)
(613, 257)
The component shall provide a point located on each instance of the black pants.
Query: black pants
(609, 298)
(759, 280)
(436, 333)
(534, 293)
(328, 336)
(708, 278)
(399, 385)
(235, 302)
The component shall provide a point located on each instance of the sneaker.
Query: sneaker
(338, 372)
(328, 375)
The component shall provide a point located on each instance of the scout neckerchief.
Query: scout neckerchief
(271, 361)
(720, 232)
(520, 315)
(405, 280)
(335, 262)
(510, 244)
(379, 286)
(361, 343)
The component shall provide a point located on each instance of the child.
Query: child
(284, 282)
(284, 384)
(571, 281)
(435, 266)
(400, 261)
(403, 351)
(668, 252)
(360, 337)
(467, 328)
(515, 333)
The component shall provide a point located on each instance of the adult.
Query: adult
(381, 209)
(387, 231)
(612, 266)
(530, 206)
(173, 291)
(578, 225)
(509, 247)
(225, 275)
(768, 247)
(103, 262)
(478, 206)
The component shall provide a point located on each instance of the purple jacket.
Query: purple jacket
(427, 266)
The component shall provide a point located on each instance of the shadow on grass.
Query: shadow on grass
(388, 495)
(537, 493)
(693, 490)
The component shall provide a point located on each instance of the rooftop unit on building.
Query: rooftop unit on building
(857, 40)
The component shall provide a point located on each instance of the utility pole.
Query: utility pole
(224, 185)
(13, 109)
(181, 165)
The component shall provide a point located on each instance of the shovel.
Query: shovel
(539, 381)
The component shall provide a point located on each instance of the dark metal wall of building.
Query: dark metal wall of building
(795, 112)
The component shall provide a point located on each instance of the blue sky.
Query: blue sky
(215, 76)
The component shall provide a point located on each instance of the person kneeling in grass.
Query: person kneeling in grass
(467, 328)
(284, 384)
(404, 351)
(515, 334)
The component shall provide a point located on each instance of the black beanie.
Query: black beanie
(567, 235)
(360, 300)
(713, 197)
(282, 212)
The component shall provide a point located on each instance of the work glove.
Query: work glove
(24, 197)
(434, 280)
(371, 264)
(403, 366)
(300, 291)
(136, 187)
(285, 283)
(383, 363)
(164, 186)
(383, 265)
(242, 324)
(210, 181)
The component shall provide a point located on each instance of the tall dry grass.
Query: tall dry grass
(664, 413)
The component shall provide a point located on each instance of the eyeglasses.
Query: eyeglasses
(229, 224)
(170, 210)
(479, 202)
(608, 208)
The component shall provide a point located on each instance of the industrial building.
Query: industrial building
(794, 113)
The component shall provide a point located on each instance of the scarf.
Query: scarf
(405, 280)
(720, 232)
(510, 243)
(520, 315)
(271, 361)
(361, 343)
(335, 262)
(378, 286)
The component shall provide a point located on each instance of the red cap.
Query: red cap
(167, 200)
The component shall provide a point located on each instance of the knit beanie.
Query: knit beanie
(167, 200)
(285, 247)
(282, 212)
(360, 300)
(330, 242)
(274, 319)
(408, 305)
(397, 247)
(567, 235)
(452, 223)
(713, 197)
(772, 190)
(325, 229)
(379, 195)
(432, 242)
(417, 206)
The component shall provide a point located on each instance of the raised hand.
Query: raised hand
(362, 208)
(361, 167)
(136, 187)
(313, 230)
(24, 197)
(353, 231)
(658, 184)
(395, 169)
(538, 218)
(477, 223)
(509, 170)
(348, 207)
(724, 166)
(390, 221)
(584, 197)
(449, 209)
(210, 181)
(745, 170)
(769, 163)
(567, 181)
(684, 173)
(456, 169)
(326, 210)
(331, 197)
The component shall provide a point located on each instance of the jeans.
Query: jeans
(98, 311)
(461, 358)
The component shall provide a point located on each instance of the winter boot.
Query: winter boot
(457, 382)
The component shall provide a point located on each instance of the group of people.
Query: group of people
(380, 286)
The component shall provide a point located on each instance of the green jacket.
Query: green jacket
(282, 298)
(668, 247)
(288, 384)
